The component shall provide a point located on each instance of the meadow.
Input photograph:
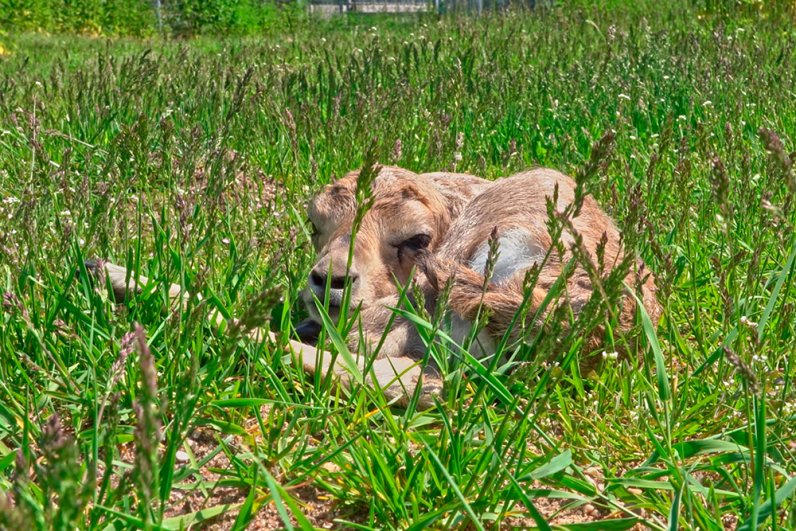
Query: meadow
(191, 161)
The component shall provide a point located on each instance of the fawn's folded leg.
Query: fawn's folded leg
(397, 377)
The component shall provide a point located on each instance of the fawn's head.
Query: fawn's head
(409, 213)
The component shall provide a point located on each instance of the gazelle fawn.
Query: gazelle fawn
(479, 238)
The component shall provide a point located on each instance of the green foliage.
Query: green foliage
(192, 161)
(140, 17)
(108, 17)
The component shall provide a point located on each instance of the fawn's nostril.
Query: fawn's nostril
(340, 282)
(317, 279)
(337, 283)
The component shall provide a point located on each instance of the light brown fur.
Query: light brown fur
(404, 204)
(517, 204)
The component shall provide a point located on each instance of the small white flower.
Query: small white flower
(610, 355)
(748, 322)
(707, 103)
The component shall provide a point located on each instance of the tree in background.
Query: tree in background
(143, 17)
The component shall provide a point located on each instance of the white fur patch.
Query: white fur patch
(517, 251)
(482, 346)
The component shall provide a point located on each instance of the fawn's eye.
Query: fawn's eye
(415, 243)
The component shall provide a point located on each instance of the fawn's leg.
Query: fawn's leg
(396, 376)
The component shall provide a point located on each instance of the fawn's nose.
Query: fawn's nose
(337, 284)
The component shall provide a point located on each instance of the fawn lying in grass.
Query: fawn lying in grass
(468, 243)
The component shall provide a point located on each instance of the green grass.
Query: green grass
(192, 162)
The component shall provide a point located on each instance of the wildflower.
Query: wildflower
(610, 355)
(748, 322)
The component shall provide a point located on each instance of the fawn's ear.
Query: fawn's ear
(427, 264)
(457, 189)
